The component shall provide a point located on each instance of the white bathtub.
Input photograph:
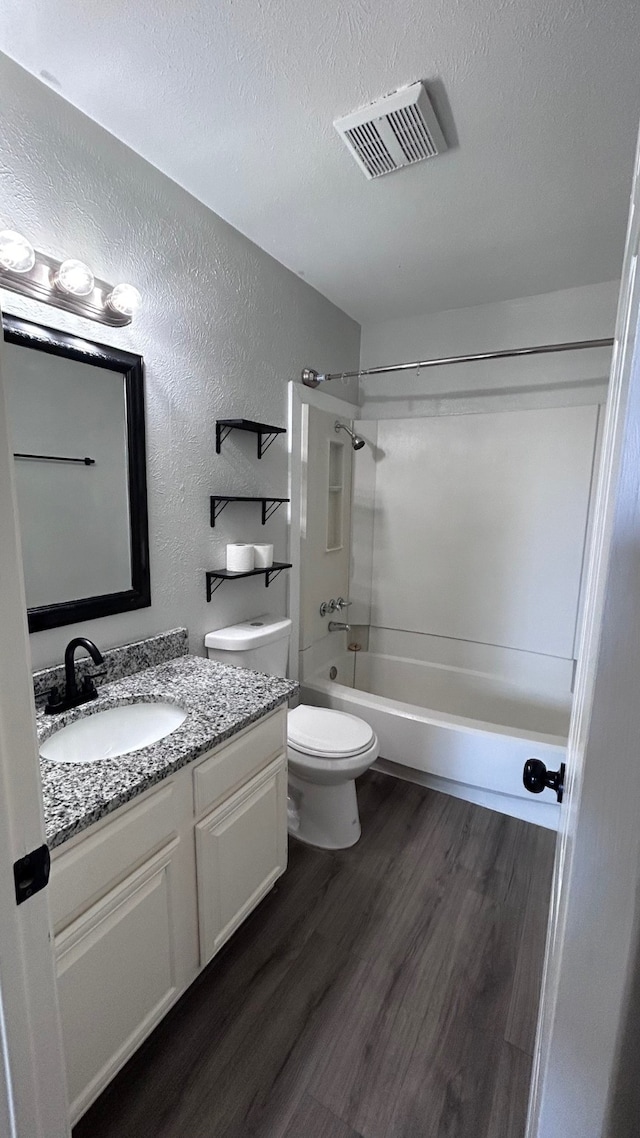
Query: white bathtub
(464, 733)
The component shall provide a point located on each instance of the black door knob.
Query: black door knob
(537, 778)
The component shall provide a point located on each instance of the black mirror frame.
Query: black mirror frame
(43, 339)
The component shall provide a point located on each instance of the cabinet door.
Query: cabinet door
(241, 849)
(116, 977)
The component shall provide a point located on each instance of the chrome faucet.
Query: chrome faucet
(73, 696)
(338, 626)
(327, 606)
(333, 606)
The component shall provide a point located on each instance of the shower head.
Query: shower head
(356, 442)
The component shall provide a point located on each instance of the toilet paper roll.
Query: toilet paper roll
(264, 555)
(240, 557)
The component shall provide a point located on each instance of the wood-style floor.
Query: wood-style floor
(387, 991)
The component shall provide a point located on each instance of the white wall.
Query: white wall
(445, 453)
(480, 523)
(555, 317)
(222, 329)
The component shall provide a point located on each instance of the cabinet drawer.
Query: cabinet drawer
(231, 765)
(84, 873)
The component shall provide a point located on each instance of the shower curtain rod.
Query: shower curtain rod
(313, 378)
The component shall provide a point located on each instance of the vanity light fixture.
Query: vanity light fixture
(68, 284)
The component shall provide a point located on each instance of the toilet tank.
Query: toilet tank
(261, 644)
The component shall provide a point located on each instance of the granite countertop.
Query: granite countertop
(219, 700)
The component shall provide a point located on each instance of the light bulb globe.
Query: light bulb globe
(74, 277)
(17, 255)
(125, 299)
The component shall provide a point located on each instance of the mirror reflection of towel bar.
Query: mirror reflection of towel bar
(56, 458)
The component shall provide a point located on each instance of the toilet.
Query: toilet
(327, 750)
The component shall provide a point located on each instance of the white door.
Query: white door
(32, 1081)
(585, 1082)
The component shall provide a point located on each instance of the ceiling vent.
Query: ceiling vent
(393, 132)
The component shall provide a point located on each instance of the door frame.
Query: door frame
(33, 1099)
(579, 1083)
(300, 399)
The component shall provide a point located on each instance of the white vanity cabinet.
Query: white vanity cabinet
(241, 849)
(241, 837)
(144, 898)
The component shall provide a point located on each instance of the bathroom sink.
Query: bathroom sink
(116, 731)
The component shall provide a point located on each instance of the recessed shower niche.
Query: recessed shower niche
(335, 496)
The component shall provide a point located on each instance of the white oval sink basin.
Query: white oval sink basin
(116, 731)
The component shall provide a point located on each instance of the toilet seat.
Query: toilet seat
(323, 733)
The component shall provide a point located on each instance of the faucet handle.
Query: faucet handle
(88, 685)
(342, 604)
(54, 701)
(328, 606)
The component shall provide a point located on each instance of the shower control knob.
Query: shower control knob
(328, 606)
(342, 604)
(537, 778)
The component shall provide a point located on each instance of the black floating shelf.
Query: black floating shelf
(269, 505)
(220, 575)
(265, 432)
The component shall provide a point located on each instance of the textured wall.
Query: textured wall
(235, 100)
(222, 330)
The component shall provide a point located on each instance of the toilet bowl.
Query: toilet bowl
(327, 750)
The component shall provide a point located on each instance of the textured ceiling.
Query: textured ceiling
(539, 100)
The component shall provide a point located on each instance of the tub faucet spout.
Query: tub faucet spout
(339, 626)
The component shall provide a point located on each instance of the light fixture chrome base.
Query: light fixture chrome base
(37, 285)
(312, 378)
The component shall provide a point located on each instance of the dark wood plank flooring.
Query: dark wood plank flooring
(387, 991)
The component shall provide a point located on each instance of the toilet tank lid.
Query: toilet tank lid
(249, 634)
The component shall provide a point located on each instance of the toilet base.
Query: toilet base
(328, 815)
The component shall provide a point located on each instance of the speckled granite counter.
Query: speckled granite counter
(220, 701)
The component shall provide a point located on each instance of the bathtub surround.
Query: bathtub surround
(535, 381)
(490, 550)
(222, 329)
(492, 441)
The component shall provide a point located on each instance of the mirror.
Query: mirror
(76, 417)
